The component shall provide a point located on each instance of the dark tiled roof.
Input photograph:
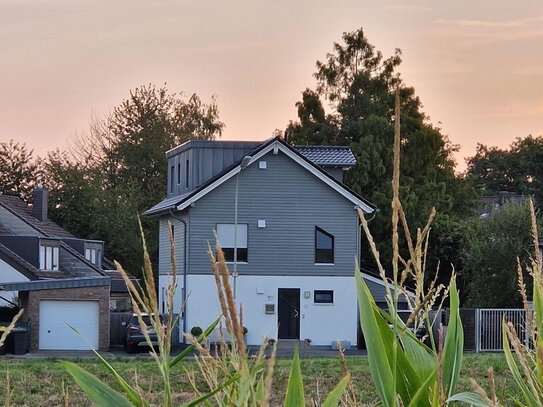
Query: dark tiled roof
(5, 231)
(18, 263)
(328, 156)
(23, 211)
(166, 204)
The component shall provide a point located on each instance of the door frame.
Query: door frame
(297, 308)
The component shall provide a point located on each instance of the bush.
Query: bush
(196, 331)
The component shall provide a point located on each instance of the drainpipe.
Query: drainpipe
(185, 257)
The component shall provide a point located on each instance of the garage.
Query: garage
(55, 319)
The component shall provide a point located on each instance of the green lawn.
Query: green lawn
(39, 382)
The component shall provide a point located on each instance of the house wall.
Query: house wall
(206, 159)
(164, 248)
(322, 323)
(292, 201)
(26, 247)
(9, 275)
(30, 300)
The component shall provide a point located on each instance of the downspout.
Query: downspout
(185, 257)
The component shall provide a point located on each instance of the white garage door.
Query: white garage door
(55, 316)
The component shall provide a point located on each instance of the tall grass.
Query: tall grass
(405, 371)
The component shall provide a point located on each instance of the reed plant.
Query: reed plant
(406, 371)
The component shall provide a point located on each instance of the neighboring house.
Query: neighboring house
(298, 234)
(57, 278)
(490, 203)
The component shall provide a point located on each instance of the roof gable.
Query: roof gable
(274, 145)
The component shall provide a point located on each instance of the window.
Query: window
(323, 297)
(187, 166)
(179, 173)
(171, 179)
(93, 253)
(49, 257)
(324, 247)
(226, 235)
(172, 231)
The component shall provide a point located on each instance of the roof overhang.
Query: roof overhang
(54, 284)
(277, 145)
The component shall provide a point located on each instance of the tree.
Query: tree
(517, 169)
(19, 171)
(358, 82)
(489, 257)
(118, 170)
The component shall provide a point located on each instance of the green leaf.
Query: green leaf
(422, 396)
(380, 369)
(513, 368)
(334, 397)
(187, 351)
(206, 396)
(295, 387)
(453, 349)
(99, 392)
(472, 399)
(132, 394)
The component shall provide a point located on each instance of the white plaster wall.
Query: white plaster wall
(163, 282)
(322, 323)
(9, 275)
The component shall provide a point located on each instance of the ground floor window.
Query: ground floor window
(323, 296)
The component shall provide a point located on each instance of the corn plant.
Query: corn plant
(405, 371)
(233, 377)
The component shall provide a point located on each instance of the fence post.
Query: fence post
(477, 330)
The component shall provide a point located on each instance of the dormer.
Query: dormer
(196, 161)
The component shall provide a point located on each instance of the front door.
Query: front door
(288, 313)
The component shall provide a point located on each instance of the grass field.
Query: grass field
(40, 382)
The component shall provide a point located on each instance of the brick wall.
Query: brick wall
(31, 303)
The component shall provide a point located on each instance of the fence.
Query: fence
(117, 328)
(488, 327)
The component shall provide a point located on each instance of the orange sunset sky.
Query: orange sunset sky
(476, 65)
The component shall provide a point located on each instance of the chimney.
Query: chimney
(39, 203)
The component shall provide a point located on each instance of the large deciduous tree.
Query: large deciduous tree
(516, 169)
(489, 255)
(118, 169)
(358, 84)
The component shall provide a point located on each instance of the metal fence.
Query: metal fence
(488, 327)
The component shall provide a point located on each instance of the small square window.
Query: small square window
(323, 296)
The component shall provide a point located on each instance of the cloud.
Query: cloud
(516, 23)
(408, 8)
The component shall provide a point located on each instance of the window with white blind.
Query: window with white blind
(94, 255)
(226, 235)
(49, 257)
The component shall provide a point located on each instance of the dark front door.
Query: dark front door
(288, 313)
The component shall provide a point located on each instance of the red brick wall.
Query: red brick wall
(31, 302)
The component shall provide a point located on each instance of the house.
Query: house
(297, 233)
(58, 279)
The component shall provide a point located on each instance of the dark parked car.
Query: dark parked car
(134, 334)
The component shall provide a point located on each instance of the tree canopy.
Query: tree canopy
(518, 168)
(358, 84)
(19, 170)
(118, 169)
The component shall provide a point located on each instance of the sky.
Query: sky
(477, 66)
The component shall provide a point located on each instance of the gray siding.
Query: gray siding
(164, 251)
(292, 201)
(206, 159)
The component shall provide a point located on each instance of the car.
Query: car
(134, 334)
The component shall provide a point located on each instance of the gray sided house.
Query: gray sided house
(296, 232)
(58, 279)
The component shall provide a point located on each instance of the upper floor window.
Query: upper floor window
(172, 180)
(49, 257)
(324, 246)
(178, 173)
(93, 253)
(187, 167)
(226, 233)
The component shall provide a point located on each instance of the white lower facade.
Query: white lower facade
(264, 306)
(9, 275)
